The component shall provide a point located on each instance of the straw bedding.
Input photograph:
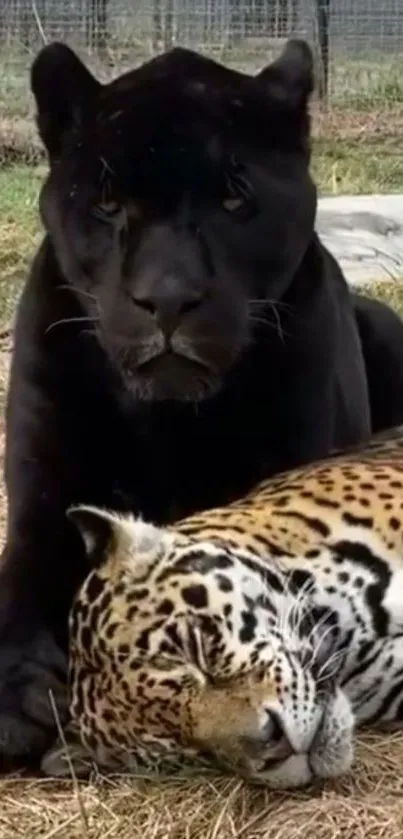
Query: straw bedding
(366, 804)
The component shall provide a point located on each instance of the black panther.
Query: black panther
(182, 333)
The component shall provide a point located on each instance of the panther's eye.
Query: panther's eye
(106, 210)
(240, 199)
(241, 204)
(231, 205)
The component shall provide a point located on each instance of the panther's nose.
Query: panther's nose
(169, 305)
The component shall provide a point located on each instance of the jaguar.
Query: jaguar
(255, 637)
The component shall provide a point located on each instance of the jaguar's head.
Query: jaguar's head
(185, 651)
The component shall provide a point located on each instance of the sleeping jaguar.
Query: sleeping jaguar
(254, 637)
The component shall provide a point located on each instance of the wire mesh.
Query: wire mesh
(357, 43)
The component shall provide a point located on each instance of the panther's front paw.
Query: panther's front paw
(30, 673)
(67, 757)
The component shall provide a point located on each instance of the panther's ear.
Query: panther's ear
(130, 542)
(290, 79)
(64, 89)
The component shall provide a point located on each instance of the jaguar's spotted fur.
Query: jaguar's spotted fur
(256, 635)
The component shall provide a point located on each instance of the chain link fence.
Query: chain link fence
(357, 45)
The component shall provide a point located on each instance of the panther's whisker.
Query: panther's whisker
(81, 318)
(269, 302)
(78, 290)
(264, 321)
(93, 332)
(277, 326)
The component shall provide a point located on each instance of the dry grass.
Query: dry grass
(367, 803)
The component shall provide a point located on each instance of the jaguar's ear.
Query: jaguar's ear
(290, 79)
(128, 541)
(64, 89)
(97, 528)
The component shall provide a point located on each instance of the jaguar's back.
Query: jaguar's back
(358, 495)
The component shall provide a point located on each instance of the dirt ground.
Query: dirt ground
(366, 804)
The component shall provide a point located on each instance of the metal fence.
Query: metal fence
(357, 43)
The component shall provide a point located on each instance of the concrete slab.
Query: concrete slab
(365, 234)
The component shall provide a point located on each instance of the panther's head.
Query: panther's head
(183, 650)
(179, 206)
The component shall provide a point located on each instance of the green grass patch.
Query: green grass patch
(19, 230)
(354, 167)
